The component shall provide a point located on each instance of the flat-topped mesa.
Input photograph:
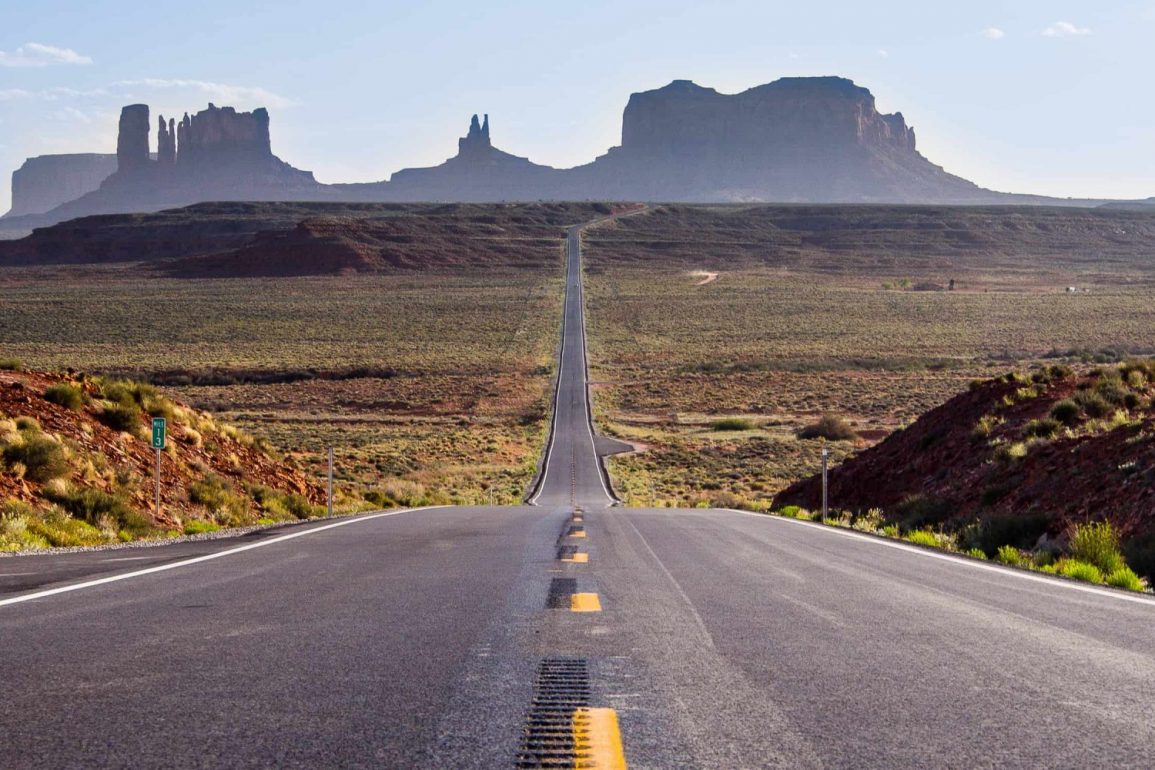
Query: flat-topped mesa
(476, 143)
(223, 134)
(791, 113)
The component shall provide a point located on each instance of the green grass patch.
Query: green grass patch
(1126, 578)
(1096, 543)
(923, 537)
(1011, 556)
(1079, 570)
(200, 527)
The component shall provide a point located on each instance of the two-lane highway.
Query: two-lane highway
(571, 632)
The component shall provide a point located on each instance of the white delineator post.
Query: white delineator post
(330, 481)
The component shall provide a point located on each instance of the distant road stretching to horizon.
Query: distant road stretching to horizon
(566, 632)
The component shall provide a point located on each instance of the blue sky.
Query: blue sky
(1047, 97)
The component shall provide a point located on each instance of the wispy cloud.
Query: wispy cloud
(1066, 29)
(994, 33)
(885, 54)
(219, 92)
(40, 55)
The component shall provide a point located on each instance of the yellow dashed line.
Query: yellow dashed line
(578, 534)
(585, 603)
(598, 740)
(578, 558)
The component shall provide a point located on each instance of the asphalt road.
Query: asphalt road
(417, 639)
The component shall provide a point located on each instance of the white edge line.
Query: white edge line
(561, 373)
(955, 559)
(206, 557)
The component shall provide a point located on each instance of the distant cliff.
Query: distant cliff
(800, 140)
(814, 140)
(45, 182)
(478, 173)
(218, 154)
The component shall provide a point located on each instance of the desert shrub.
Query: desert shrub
(977, 553)
(42, 458)
(220, 499)
(67, 396)
(1136, 378)
(96, 507)
(1079, 570)
(1008, 453)
(890, 530)
(790, 511)
(870, 521)
(1017, 531)
(1140, 554)
(1045, 427)
(299, 506)
(920, 511)
(1125, 578)
(732, 423)
(11, 364)
(1059, 371)
(1111, 391)
(830, 427)
(1010, 555)
(1092, 404)
(1096, 543)
(119, 416)
(15, 534)
(27, 424)
(987, 424)
(1043, 557)
(922, 537)
(1066, 412)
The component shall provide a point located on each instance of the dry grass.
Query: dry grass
(797, 326)
(470, 353)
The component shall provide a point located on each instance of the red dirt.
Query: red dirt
(1108, 474)
(21, 395)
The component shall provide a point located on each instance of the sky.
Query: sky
(1036, 96)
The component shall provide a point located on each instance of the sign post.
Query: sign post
(330, 496)
(825, 455)
(159, 434)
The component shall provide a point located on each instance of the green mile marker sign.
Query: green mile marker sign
(158, 432)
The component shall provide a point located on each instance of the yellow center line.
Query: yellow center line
(578, 558)
(585, 603)
(578, 534)
(597, 740)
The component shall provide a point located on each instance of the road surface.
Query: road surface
(571, 628)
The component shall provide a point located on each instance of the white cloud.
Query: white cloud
(884, 53)
(1065, 29)
(10, 94)
(994, 33)
(40, 55)
(73, 114)
(223, 93)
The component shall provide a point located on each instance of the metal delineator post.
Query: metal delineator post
(330, 481)
(158, 484)
(825, 498)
